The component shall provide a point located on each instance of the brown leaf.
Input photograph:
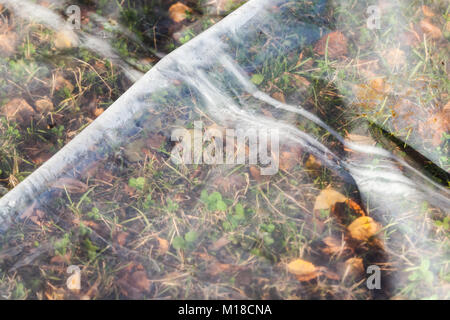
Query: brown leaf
(335, 246)
(255, 172)
(7, 44)
(133, 281)
(430, 29)
(337, 45)
(220, 243)
(155, 141)
(229, 183)
(279, 96)
(18, 110)
(44, 105)
(177, 12)
(61, 83)
(121, 237)
(363, 228)
(71, 185)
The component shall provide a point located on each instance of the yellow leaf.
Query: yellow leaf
(177, 12)
(65, 39)
(363, 228)
(328, 198)
(301, 267)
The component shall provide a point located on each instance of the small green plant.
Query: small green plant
(137, 183)
(214, 201)
(189, 239)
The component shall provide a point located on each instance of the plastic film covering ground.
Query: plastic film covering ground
(362, 185)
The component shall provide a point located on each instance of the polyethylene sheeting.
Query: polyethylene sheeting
(345, 202)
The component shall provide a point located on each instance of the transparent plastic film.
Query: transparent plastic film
(270, 157)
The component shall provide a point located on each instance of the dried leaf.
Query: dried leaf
(279, 96)
(303, 270)
(98, 112)
(395, 58)
(363, 228)
(7, 44)
(44, 105)
(312, 163)
(71, 185)
(327, 198)
(177, 12)
(18, 110)
(133, 281)
(220, 243)
(427, 11)
(163, 246)
(337, 45)
(354, 266)
(430, 29)
(255, 173)
(121, 237)
(335, 246)
(65, 39)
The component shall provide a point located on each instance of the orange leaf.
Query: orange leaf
(337, 45)
(177, 12)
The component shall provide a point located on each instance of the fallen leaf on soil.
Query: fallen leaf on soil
(227, 184)
(335, 246)
(7, 44)
(337, 45)
(61, 83)
(300, 81)
(133, 281)
(71, 185)
(327, 198)
(395, 58)
(255, 173)
(289, 159)
(220, 243)
(279, 96)
(312, 163)
(363, 228)
(121, 237)
(354, 266)
(18, 110)
(430, 29)
(44, 105)
(155, 141)
(163, 246)
(217, 268)
(65, 39)
(303, 270)
(427, 11)
(53, 293)
(177, 12)
(436, 126)
(98, 111)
